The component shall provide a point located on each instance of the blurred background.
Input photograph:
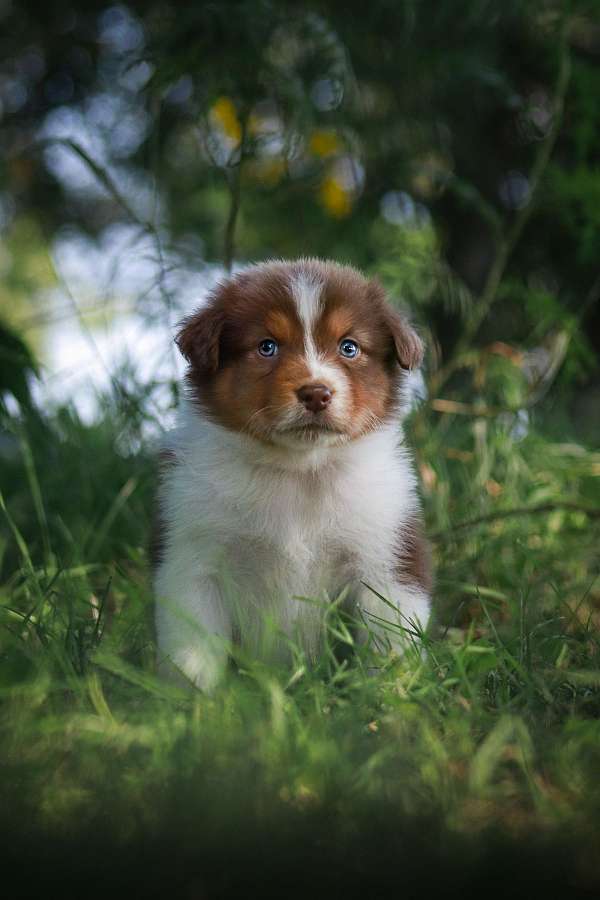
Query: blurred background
(451, 148)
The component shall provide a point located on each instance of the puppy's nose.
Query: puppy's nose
(315, 397)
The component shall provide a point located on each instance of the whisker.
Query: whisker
(269, 407)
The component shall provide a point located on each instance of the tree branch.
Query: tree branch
(592, 512)
(235, 191)
(101, 174)
(508, 241)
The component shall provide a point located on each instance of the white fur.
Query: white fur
(251, 528)
(306, 290)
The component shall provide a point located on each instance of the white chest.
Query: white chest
(281, 531)
(247, 539)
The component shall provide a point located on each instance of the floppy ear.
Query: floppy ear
(408, 344)
(198, 339)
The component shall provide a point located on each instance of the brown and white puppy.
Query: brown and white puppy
(287, 478)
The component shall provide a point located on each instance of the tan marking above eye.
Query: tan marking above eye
(280, 326)
(338, 323)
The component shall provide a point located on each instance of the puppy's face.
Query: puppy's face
(297, 354)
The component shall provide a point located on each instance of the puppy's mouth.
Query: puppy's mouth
(308, 433)
(313, 427)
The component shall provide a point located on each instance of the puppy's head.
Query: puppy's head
(299, 353)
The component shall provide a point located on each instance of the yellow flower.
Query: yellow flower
(324, 143)
(223, 112)
(335, 198)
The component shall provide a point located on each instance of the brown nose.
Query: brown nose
(315, 397)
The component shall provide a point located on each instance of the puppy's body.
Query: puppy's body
(287, 477)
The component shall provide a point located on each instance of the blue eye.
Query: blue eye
(349, 349)
(268, 347)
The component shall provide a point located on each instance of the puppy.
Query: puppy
(287, 484)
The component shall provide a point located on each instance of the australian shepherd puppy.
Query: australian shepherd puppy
(286, 484)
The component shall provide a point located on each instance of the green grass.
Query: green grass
(478, 760)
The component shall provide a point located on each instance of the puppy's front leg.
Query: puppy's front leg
(394, 614)
(193, 626)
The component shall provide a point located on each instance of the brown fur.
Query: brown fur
(246, 392)
(414, 557)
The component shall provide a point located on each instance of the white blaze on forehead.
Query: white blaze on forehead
(307, 292)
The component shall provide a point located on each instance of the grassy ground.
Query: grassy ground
(476, 765)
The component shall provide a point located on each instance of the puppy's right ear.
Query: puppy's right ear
(199, 337)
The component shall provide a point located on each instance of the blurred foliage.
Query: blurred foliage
(283, 129)
(16, 365)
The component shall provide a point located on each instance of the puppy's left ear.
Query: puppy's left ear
(408, 344)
